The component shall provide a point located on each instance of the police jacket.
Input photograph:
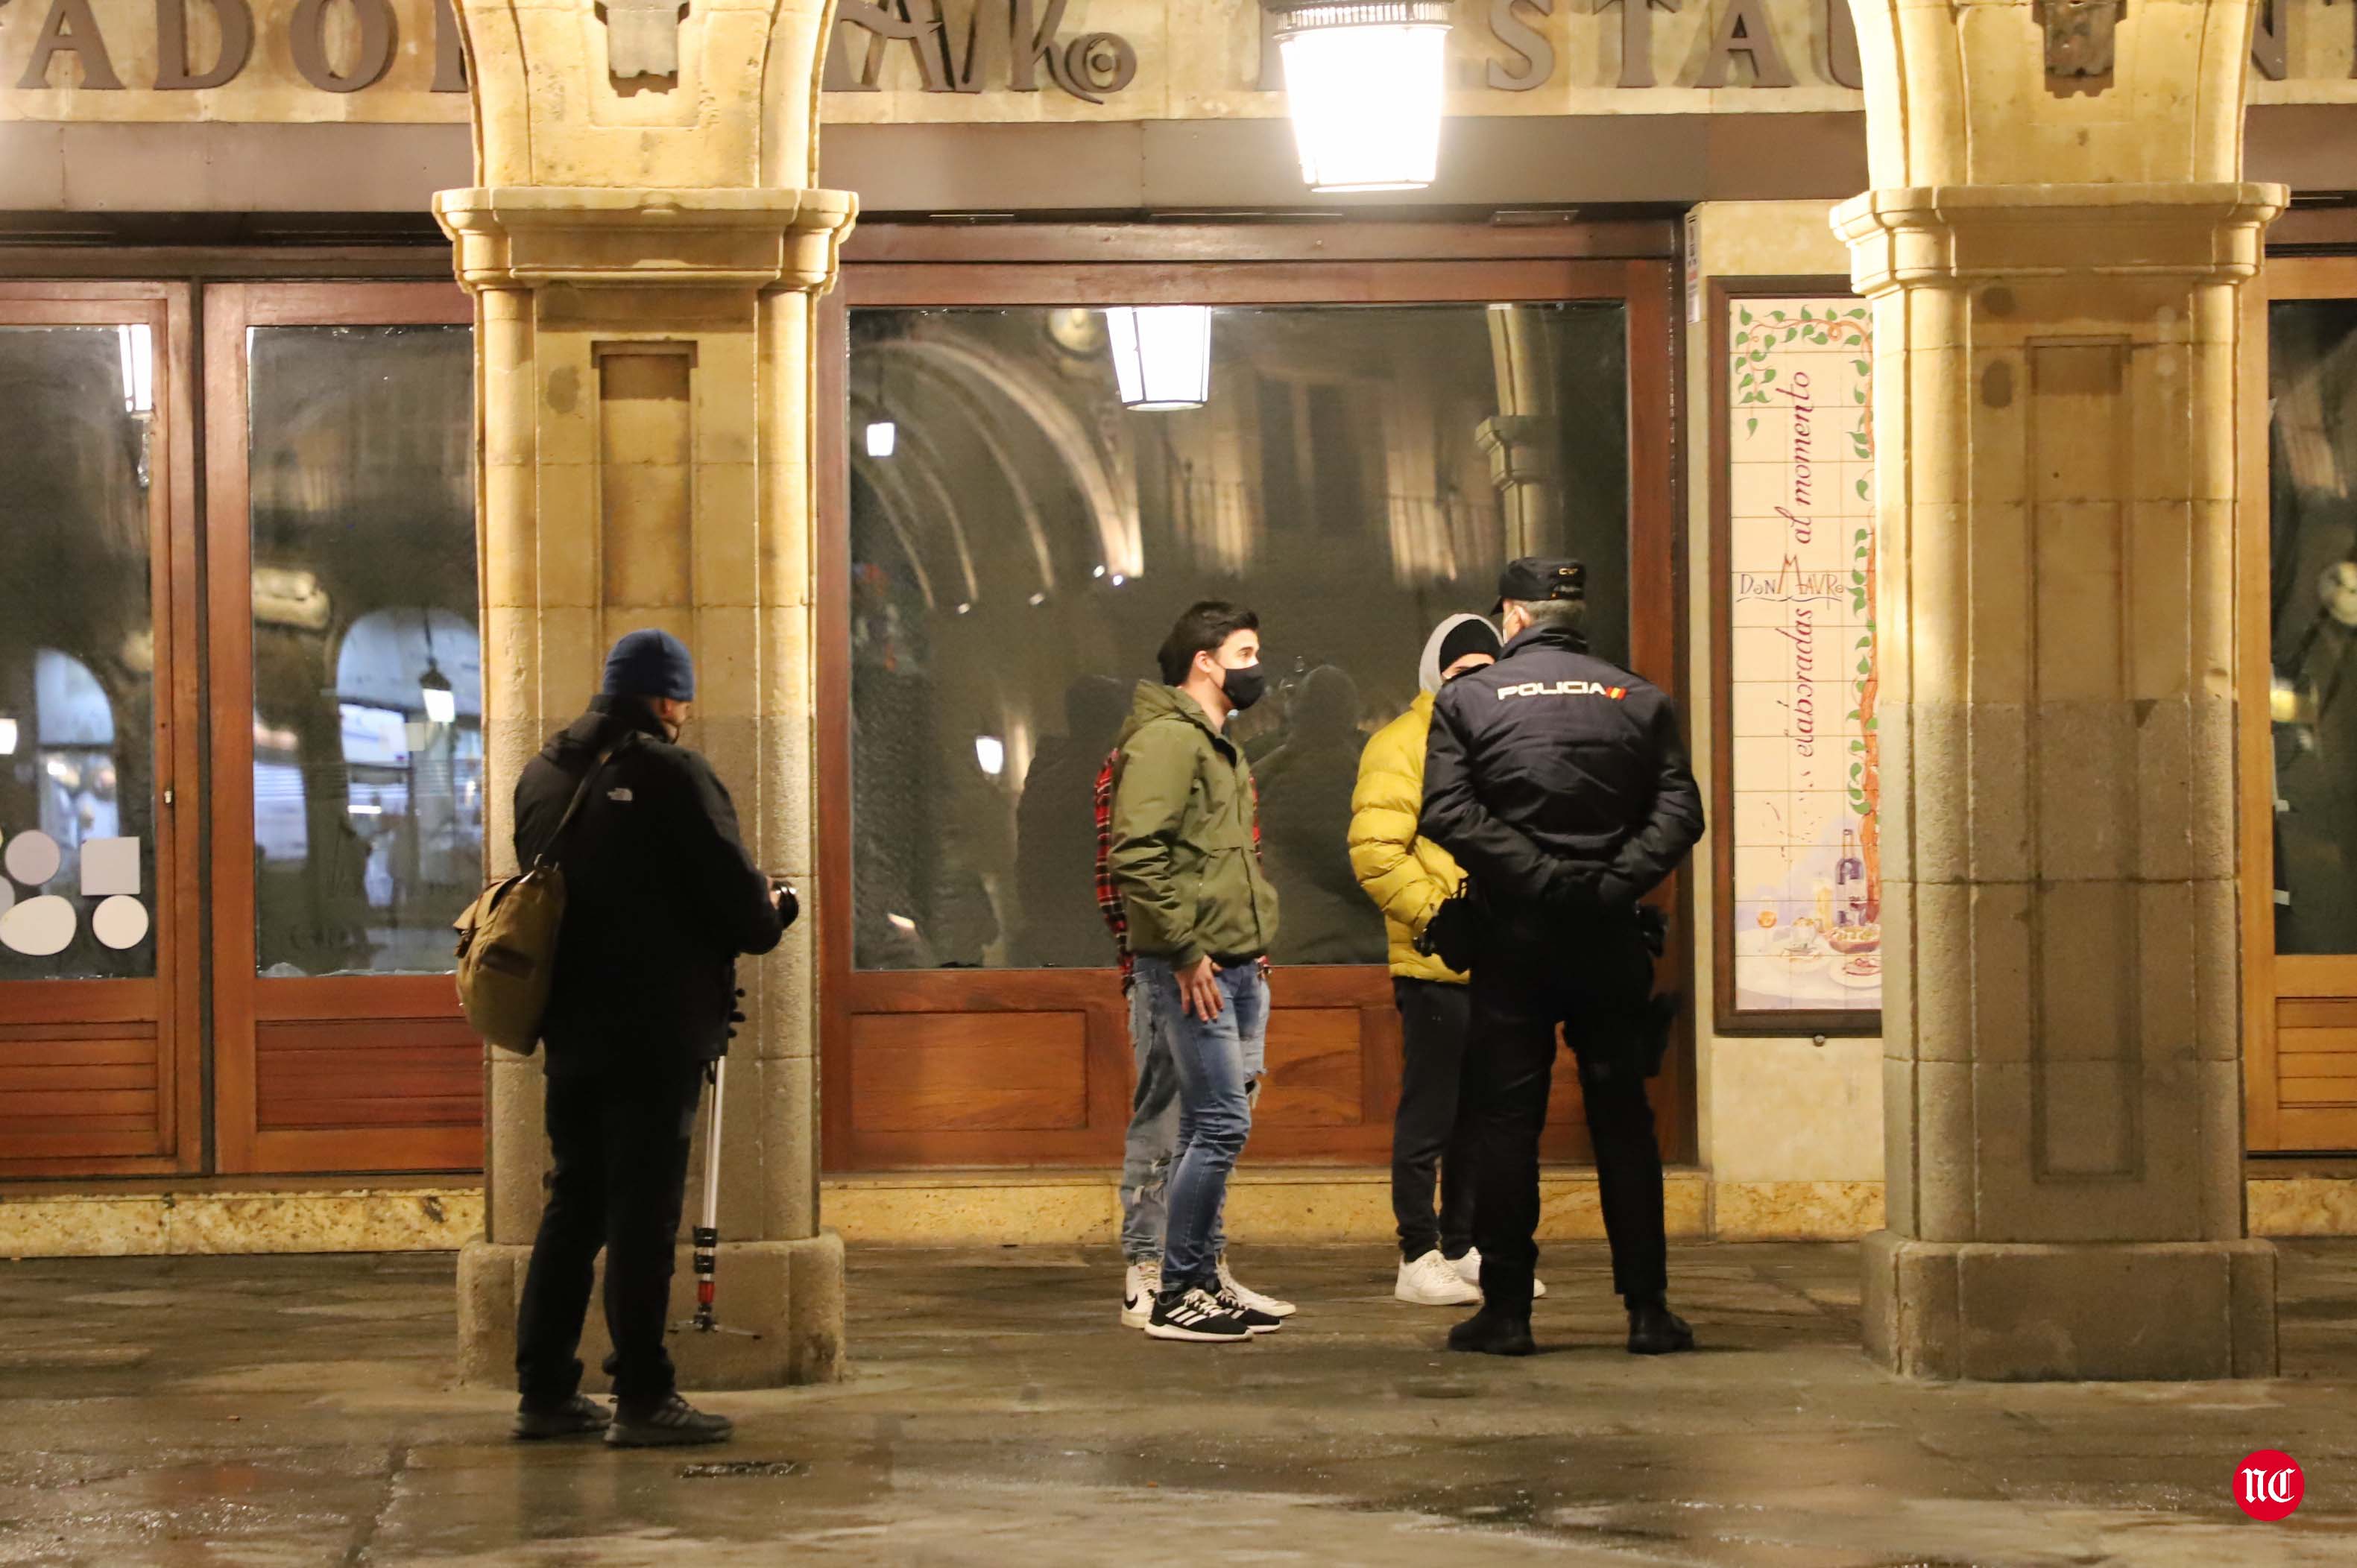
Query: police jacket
(1558, 781)
(660, 896)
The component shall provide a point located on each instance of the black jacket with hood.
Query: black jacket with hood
(1558, 781)
(661, 895)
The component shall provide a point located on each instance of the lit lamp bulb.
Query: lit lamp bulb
(1161, 355)
(990, 754)
(8, 737)
(440, 701)
(883, 438)
(1365, 82)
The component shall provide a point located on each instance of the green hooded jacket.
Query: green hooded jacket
(1180, 848)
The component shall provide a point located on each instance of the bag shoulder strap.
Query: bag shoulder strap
(573, 807)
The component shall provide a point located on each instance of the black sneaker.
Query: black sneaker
(675, 1423)
(576, 1417)
(1198, 1317)
(1255, 1320)
(1490, 1332)
(1655, 1330)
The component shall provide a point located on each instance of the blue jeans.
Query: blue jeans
(1217, 1063)
(1153, 1140)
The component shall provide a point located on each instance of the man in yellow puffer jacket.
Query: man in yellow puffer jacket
(1409, 877)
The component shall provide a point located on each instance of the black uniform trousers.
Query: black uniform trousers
(1594, 981)
(1429, 1149)
(618, 1181)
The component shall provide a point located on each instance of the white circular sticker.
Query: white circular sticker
(120, 922)
(39, 927)
(33, 858)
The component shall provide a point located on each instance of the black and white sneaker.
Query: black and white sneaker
(1255, 1320)
(1198, 1317)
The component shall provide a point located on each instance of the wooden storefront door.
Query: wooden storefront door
(2298, 649)
(345, 692)
(1392, 411)
(99, 929)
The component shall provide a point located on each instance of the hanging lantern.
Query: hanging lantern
(1365, 82)
(435, 696)
(1161, 355)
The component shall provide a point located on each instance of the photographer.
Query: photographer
(1560, 783)
(660, 900)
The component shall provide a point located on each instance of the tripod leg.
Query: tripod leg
(707, 1232)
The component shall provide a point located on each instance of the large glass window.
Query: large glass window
(1021, 541)
(368, 817)
(2313, 584)
(77, 654)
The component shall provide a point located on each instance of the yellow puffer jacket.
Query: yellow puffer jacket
(1407, 877)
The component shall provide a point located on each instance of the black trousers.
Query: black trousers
(1594, 982)
(618, 1182)
(1428, 1144)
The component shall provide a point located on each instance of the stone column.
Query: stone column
(1522, 438)
(645, 254)
(2057, 362)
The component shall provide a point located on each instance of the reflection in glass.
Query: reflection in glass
(1022, 545)
(2313, 582)
(77, 626)
(367, 743)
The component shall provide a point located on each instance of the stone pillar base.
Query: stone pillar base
(2016, 1312)
(788, 1293)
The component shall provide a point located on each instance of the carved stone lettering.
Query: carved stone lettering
(449, 50)
(373, 56)
(1637, 39)
(1841, 66)
(69, 29)
(174, 72)
(885, 25)
(1098, 65)
(641, 37)
(2271, 40)
(1744, 29)
(1034, 44)
(1536, 50)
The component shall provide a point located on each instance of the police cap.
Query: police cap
(1535, 579)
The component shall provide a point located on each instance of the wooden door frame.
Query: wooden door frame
(2269, 979)
(1218, 265)
(241, 999)
(87, 1007)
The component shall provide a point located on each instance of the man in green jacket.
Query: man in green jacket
(1200, 917)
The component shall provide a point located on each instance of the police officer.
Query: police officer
(1560, 783)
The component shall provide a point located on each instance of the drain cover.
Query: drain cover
(735, 1467)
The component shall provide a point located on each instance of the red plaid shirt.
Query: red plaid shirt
(1109, 903)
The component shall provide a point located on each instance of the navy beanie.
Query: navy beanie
(651, 663)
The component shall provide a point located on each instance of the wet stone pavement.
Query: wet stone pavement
(298, 1410)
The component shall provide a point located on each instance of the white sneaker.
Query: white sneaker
(1430, 1281)
(1469, 1269)
(1138, 1289)
(1252, 1298)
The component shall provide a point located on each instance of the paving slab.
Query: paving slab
(258, 1412)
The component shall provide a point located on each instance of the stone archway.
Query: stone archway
(645, 251)
(2056, 247)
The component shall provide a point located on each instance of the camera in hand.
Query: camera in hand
(790, 903)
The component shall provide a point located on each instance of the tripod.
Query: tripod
(707, 1233)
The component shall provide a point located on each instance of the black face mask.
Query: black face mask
(1245, 686)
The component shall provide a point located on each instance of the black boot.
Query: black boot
(1655, 1330)
(1490, 1332)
